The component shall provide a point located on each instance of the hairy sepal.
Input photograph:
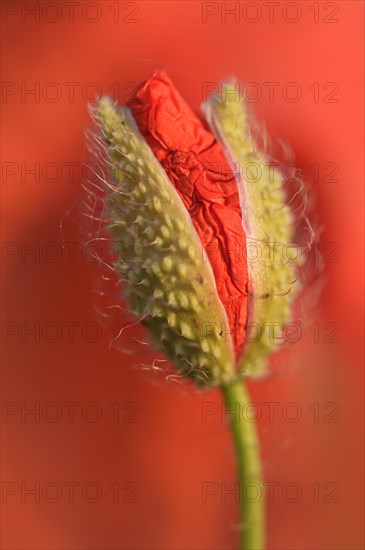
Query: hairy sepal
(268, 224)
(169, 282)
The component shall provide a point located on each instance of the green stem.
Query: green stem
(252, 514)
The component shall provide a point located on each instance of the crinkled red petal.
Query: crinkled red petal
(196, 165)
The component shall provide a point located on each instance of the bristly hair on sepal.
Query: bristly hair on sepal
(168, 283)
(275, 216)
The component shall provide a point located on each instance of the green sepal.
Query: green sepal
(268, 224)
(168, 279)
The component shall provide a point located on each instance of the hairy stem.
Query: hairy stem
(252, 514)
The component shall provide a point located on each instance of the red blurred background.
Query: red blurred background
(130, 429)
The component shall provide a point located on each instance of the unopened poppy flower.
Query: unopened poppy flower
(193, 197)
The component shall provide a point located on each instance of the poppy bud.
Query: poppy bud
(180, 194)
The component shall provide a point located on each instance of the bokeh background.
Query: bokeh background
(128, 467)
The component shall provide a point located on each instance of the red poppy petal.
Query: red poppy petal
(197, 167)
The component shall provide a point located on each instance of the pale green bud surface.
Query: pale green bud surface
(268, 225)
(169, 281)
